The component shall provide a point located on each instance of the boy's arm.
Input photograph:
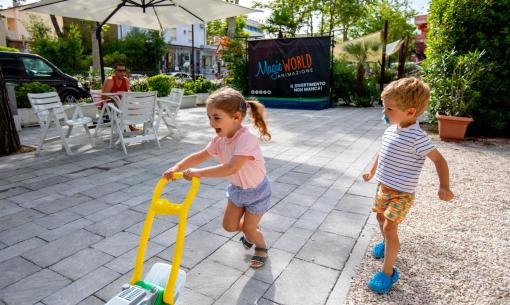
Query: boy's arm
(444, 175)
(221, 170)
(369, 175)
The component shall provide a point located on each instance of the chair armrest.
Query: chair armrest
(113, 108)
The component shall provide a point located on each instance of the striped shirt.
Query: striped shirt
(401, 158)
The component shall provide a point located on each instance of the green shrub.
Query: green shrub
(344, 80)
(453, 83)
(469, 25)
(33, 87)
(2, 48)
(161, 83)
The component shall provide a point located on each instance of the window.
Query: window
(37, 67)
(11, 67)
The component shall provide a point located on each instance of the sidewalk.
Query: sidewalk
(69, 226)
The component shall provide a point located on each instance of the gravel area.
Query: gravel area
(456, 252)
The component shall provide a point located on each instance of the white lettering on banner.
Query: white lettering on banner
(307, 87)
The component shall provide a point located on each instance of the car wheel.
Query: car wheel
(69, 97)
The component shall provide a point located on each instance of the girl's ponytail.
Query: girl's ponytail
(258, 115)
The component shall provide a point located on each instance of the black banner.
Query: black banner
(293, 73)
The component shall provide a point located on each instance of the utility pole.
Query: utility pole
(192, 57)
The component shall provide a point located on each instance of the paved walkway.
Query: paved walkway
(69, 226)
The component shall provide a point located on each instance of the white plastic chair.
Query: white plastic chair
(168, 107)
(136, 108)
(49, 110)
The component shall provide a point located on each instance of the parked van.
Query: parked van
(19, 68)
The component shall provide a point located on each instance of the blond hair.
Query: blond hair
(408, 92)
(231, 101)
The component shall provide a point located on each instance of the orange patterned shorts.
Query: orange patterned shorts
(394, 204)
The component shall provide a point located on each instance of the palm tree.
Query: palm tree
(360, 50)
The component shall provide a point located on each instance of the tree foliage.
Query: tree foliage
(468, 26)
(397, 12)
(66, 51)
(219, 28)
(288, 16)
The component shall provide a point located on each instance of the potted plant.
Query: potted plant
(452, 80)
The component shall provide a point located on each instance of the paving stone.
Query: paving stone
(117, 223)
(44, 181)
(108, 212)
(311, 220)
(59, 249)
(33, 288)
(246, 290)
(118, 244)
(57, 220)
(21, 233)
(49, 206)
(67, 229)
(302, 283)
(126, 261)
(15, 269)
(281, 190)
(19, 218)
(302, 199)
(102, 190)
(355, 204)
(91, 207)
(293, 239)
(275, 264)
(27, 197)
(294, 178)
(203, 217)
(20, 248)
(288, 209)
(200, 278)
(9, 207)
(276, 222)
(199, 245)
(234, 255)
(361, 188)
(344, 223)
(159, 225)
(11, 191)
(92, 300)
(338, 249)
(82, 288)
(188, 296)
(168, 237)
(39, 201)
(81, 263)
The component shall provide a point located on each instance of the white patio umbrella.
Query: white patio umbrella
(150, 14)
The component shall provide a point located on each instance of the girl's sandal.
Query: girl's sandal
(258, 261)
(246, 243)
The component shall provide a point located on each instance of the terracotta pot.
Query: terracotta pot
(452, 127)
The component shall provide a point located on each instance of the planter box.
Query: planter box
(452, 128)
(189, 101)
(202, 97)
(27, 117)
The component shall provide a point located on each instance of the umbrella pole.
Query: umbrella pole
(100, 45)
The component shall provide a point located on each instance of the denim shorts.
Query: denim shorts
(255, 200)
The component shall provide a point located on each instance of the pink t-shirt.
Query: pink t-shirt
(243, 143)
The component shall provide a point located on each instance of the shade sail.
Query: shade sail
(149, 14)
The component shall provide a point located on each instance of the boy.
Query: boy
(397, 168)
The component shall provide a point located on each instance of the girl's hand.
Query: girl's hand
(169, 173)
(445, 194)
(367, 176)
(190, 173)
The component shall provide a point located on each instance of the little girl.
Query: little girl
(240, 157)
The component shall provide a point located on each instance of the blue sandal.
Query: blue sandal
(378, 250)
(258, 261)
(382, 283)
